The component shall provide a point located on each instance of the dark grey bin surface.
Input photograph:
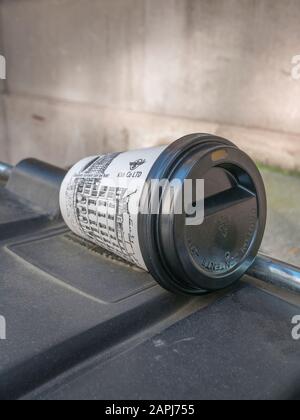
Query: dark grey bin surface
(83, 325)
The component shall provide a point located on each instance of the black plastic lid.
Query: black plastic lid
(215, 254)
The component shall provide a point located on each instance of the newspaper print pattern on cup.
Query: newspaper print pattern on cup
(100, 199)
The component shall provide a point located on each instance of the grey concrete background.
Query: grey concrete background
(4, 156)
(282, 237)
(3, 132)
(90, 76)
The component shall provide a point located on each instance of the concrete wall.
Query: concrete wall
(89, 76)
(4, 156)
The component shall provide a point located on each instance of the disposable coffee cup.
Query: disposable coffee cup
(193, 214)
